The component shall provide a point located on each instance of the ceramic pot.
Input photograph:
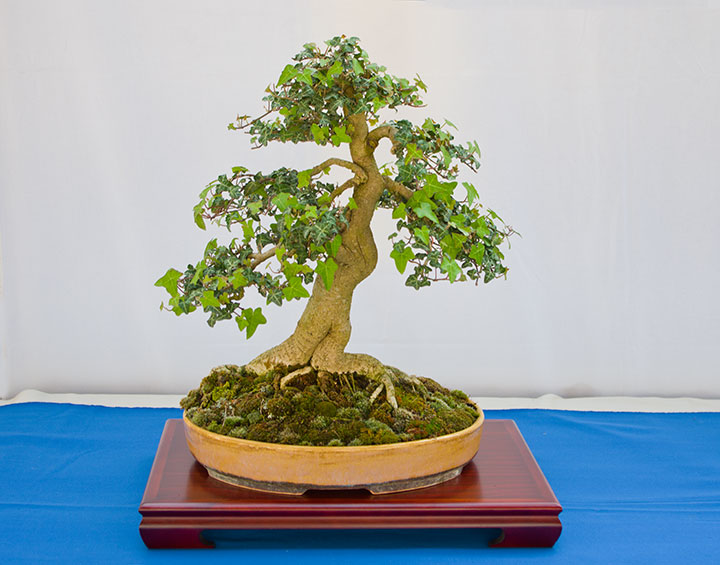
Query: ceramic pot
(294, 469)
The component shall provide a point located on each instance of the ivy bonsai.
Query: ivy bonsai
(296, 229)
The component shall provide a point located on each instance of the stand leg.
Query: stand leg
(529, 535)
(168, 536)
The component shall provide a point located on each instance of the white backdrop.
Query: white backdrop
(600, 128)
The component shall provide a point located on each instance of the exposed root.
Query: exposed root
(297, 373)
(387, 384)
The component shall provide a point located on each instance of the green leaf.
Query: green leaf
(422, 234)
(340, 136)
(450, 267)
(472, 194)
(402, 257)
(254, 207)
(333, 246)
(289, 72)
(169, 281)
(281, 201)
(304, 178)
(335, 69)
(357, 67)
(452, 244)
(399, 211)
(208, 299)
(212, 244)
(452, 125)
(326, 270)
(199, 269)
(424, 210)
(306, 76)
(319, 133)
(352, 205)
(446, 157)
(239, 169)
(253, 318)
(477, 253)
(199, 221)
(412, 153)
(248, 231)
(295, 289)
(238, 279)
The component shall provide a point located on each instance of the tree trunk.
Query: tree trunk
(323, 330)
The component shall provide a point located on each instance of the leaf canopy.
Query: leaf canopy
(294, 220)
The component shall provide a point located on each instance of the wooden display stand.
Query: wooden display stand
(502, 487)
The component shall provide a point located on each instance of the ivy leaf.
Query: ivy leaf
(333, 246)
(446, 157)
(424, 210)
(326, 270)
(412, 153)
(238, 279)
(254, 207)
(295, 289)
(169, 281)
(289, 72)
(199, 269)
(357, 67)
(335, 69)
(319, 133)
(340, 136)
(452, 125)
(352, 205)
(250, 320)
(472, 194)
(402, 257)
(450, 267)
(423, 234)
(303, 178)
(399, 211)
(197, 216)
(306, 76)
(212, 244)
(281, 201)
(208, 300)
(477, 253)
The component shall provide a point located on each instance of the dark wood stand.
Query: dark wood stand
(502, 488)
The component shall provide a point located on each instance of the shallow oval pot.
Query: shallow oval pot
(293, 469)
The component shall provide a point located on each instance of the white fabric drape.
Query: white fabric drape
(599, 125)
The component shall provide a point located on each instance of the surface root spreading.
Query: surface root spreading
(304, 406)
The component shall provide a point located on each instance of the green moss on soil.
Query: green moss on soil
(336, 412)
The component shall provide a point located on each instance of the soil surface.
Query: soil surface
(331, 410)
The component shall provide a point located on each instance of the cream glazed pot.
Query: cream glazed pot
(294, 469)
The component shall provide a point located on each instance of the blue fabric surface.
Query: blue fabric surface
(635, 488)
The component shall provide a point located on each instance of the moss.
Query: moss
(335, 411)
(326, 408)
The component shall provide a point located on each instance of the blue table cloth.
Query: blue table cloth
(635, 488)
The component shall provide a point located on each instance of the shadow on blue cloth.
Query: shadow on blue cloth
(635, 488)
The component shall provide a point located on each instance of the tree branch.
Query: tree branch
(357, 169)
(379, 132)
(343, 187)
(399, 189)
(257, 258)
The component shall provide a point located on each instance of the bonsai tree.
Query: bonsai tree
(298, 235)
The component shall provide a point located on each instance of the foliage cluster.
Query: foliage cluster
(288, 224)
